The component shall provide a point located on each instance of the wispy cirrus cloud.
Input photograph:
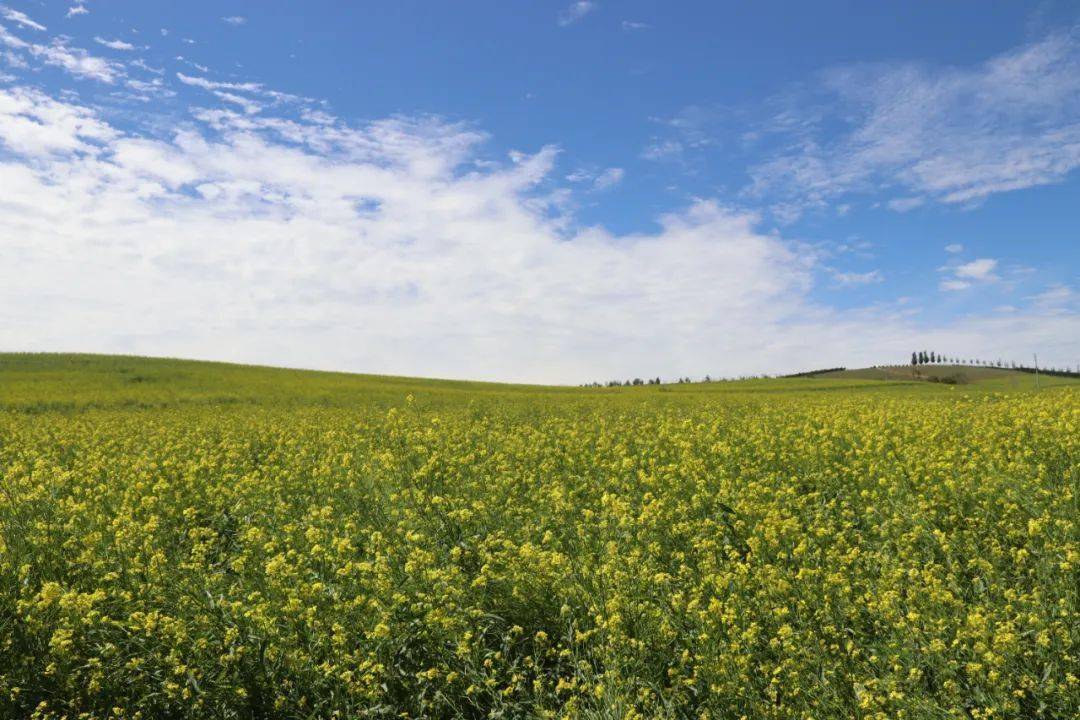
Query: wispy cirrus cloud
(198, 66)
(21, 19)
(230, 91)
(77, 9)
(114, 44)
(904, 204)
(685, 135)
(850, 279)
(925, 133)
(663, 149)
(58, 53)
(207, 84)
(1057, 298)
(143, 65)
(234, 20)
(246, 104)
(609, 178)
(575, 12)
(598, 181)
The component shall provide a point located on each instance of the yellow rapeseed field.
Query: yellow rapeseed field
(178, 542)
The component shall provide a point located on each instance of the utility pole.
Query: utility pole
(1036, 371)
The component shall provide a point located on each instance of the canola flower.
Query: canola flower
(842, 556)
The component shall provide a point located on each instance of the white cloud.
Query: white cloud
(848, 279)
(21, 19)
(966, 275)
(630, 25)
(905, 204)
(77, 9)
(13, 60)
(608, 178)
(597, 180)
(981, 269)
(1057, 297)
(686, 135)
(197, 66)
(948, 134)
(76, 61)
(248, 105)
(234, 20)
(954, 248)
(660, 149)
(215, 85)
(114, 44)
(12, 41)
(228, 92)
(35, 125)
(146, 90)
(575, 12)
(954, 285)
(142, 65)
(399, 247)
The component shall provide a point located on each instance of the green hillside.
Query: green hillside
(42, 381)
(66, 381)
(987, 377)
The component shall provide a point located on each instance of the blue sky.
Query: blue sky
(540, 191)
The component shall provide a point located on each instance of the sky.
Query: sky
(555, 192)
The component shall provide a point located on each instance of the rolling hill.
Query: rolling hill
(48, 381)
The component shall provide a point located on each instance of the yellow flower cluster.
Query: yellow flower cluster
(844, 555)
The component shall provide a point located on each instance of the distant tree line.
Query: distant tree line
(919, 357)
(922, 357)
(624, 383)
(811, 373)
(677, 381)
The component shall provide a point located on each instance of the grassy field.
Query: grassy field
(200, 540)
(1001, 379)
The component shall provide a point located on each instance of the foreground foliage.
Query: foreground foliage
(846, 554)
